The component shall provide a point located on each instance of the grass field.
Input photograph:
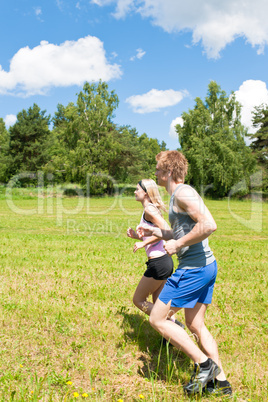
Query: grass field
(69, 330)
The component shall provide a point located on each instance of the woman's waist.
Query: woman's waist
(155, 256)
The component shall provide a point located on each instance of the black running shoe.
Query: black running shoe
(201, 376)
(215, 388)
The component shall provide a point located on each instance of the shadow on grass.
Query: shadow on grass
(160, 360)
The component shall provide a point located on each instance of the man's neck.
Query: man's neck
(172, 185)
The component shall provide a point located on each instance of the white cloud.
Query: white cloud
(172, 131)
(139, 55)
(102, 3)
(250, 94)
(38, 11)
(34, 71)
(214, 23)
(155, 100)
(60, 4)
(10, 119)
(123, 7)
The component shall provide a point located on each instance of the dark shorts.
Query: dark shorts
(186, 287)
(159, 268)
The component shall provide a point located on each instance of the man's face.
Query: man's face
(161, 175)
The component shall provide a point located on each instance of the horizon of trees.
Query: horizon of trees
(84, 141)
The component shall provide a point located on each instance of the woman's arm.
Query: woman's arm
(162, 229)
(146, 242)
(131, 233)
(153, 215)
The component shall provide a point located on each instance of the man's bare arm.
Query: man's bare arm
(187, 200)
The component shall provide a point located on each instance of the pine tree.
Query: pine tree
(29, 138)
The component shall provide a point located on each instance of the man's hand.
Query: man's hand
(171, 247)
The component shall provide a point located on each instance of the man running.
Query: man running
(191, 286)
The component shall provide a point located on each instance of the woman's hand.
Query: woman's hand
(145, 232)
(137, 246)
(131, 233)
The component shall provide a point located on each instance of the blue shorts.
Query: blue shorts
(186, 287)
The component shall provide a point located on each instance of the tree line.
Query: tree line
(81, 140)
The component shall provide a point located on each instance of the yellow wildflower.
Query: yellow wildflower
(141, 396)
(21, 365)
(84, 395)
(76, 395)
(69, 382)
(120, 400)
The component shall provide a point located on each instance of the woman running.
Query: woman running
(159, 264)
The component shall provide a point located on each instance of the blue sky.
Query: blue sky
(158, 56)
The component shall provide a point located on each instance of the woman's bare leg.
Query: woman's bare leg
(146, 287)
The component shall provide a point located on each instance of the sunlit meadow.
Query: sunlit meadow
(69, 330)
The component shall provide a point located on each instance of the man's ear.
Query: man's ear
(169, 173)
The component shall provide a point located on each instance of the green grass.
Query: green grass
(66, 310)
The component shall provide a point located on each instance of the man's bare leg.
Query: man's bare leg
(174, 333)
(194, 319)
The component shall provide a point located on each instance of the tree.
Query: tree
(29, 140)
(81, 133)
(97, 106)
(150, 147)
(259, 143)
(125, 163)
(4, 146)
(212, 139)
(86, 141)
